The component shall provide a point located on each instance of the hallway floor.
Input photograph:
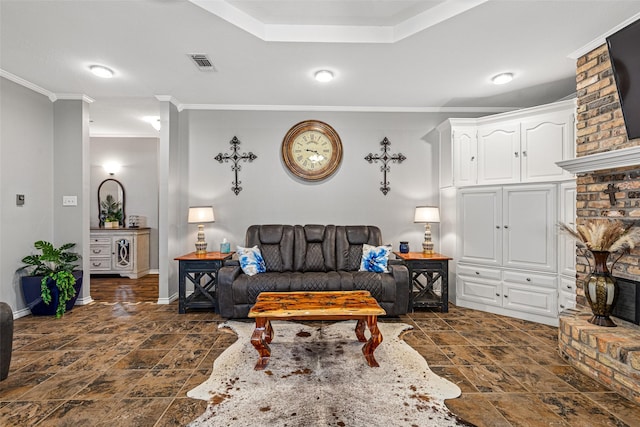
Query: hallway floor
(132, 363)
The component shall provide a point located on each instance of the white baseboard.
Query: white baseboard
(84, 301)
(169, 300)
(21, 313)
(154, 271)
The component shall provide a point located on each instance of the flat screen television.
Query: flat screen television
(624, 51)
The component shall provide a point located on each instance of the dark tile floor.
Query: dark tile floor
(126, 364)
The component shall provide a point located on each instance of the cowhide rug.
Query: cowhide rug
(317, 376)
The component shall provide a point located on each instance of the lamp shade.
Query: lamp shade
(427, 214)
(200, 214)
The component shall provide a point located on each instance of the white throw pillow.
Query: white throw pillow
(251, 260)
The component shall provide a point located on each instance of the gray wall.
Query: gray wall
(138, 175)
(271, 195)
(26, 167)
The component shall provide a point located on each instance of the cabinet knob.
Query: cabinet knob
(497, 294)
(516, 154)
(478, 273)
(569, 287)
(528, 279)
(498, 227)
(561, 306)
(524, 154)
(96, 264)
(473, 158)
(506, 296)
(506, 226)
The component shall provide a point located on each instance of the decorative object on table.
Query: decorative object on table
(199, 215)
(333, 375)
(236, 158)
(6, 339)
(427, 215)
(385, 158)
(404, 247)
(602, 238)
(111, 204)
(136, 221)
(312, 150)
(225, 247)
(53, 283)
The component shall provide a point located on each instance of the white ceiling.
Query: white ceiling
(412, 56)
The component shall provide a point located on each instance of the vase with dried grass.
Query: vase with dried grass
(602, 238)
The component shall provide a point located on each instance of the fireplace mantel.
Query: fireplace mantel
(599, 161)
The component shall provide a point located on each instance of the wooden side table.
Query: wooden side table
(202, 272)
(432, 267)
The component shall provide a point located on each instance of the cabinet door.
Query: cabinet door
(529, 227)
(479, 226)
(567, 245)
(545, 141)
(123, 251)
(477, 289)
(499, 153)
(466, 156)
(529, 299)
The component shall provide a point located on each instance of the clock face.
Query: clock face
(312, 150)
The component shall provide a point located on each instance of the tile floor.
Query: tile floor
(127, 364)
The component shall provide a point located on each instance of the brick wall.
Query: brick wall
(600, 128)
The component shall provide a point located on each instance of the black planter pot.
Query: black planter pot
(33, 299)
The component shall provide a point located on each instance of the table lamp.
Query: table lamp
(427, 214)
(198, 215)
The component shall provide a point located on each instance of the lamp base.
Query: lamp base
(201, 245)
(427, 248)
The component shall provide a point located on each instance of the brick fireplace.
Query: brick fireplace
(610, 355)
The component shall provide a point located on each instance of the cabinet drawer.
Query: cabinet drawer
(100, 264)
(100, 250)
(100, 241)
(530, 279)
(483, 272)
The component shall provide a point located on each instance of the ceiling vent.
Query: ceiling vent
(202, 61)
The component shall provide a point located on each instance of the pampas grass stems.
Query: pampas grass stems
(604, 235)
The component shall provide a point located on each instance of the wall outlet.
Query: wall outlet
(69, 200)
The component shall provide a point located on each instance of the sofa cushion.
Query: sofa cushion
(375, 258)
(251, 260)
(275, 243)
(314, 248)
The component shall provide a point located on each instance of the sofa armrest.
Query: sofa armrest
(226, 277)
(400, 274)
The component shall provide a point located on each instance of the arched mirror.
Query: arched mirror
(111, 202)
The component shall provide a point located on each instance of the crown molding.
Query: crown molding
(122, 135)
(346, 108)
(337, 33)
(171, 99)
(25, 83)
(73, 97)
(599, 161)
(602, 39)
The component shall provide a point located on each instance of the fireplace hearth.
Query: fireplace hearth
(628, 304)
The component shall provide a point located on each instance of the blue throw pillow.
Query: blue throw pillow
(251, 260)
(375, 258)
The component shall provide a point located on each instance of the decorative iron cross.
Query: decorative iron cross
(611, 191)
(385, 158)
(235, 158)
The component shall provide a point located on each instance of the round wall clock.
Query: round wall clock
(312, 150)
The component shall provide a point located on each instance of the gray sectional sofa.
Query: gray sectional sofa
(311, 258)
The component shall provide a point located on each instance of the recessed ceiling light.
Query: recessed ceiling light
(501, 79)
(101, 71)
(324, 76)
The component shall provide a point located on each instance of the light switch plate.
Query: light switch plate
(19, 199)
(69, 200)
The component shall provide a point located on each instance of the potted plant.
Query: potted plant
(53, 282)
(112, 212)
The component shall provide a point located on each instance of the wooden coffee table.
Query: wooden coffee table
(342, 305)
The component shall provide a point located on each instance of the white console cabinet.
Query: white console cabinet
(123, 251)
